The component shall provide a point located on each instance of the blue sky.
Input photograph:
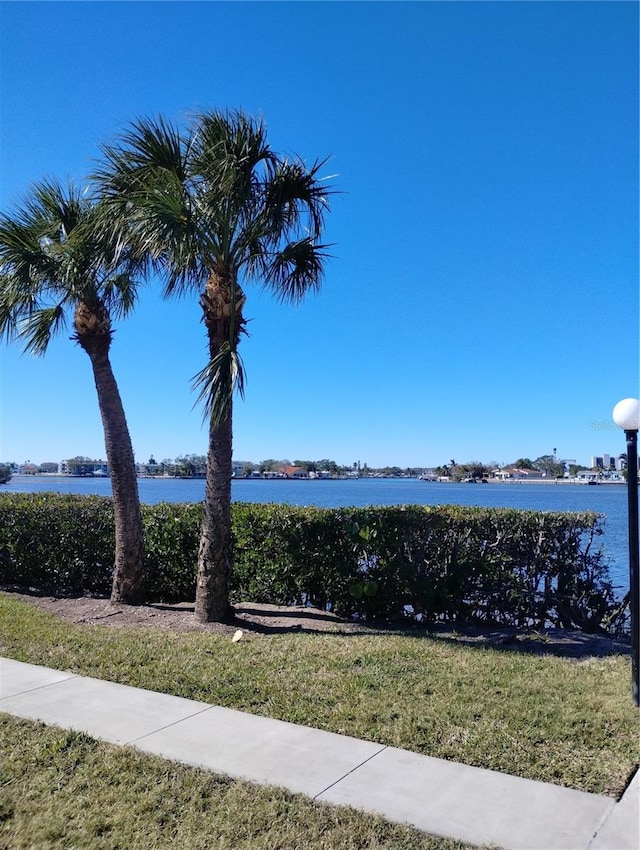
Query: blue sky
(482, 298)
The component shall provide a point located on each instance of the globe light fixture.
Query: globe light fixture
(626, 414)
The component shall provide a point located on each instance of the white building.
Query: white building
(512, 473)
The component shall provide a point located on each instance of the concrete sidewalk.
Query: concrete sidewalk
(439, 797)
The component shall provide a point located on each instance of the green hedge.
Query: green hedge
(453, 564)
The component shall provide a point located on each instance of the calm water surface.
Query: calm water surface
(609, 500)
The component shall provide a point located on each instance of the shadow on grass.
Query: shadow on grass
(294, 613)
(265, 619)
(562, 643)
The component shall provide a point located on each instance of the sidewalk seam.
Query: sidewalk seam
(41, 687)
(611, 811)
(383, 747)
(133, 741)
(602, 824)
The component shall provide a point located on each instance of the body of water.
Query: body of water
(607, 499)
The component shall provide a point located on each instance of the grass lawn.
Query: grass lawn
(64, 789)
(553, 719)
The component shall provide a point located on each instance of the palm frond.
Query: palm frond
(146, 189)
(148, 148)
(39, 326)
(54, 254)
(16, 302)
(295, 197)
(231, 157)
(217, 382)
(60, 209)
(228, 149)
(296, 270)
(23, 250)
(120, 293)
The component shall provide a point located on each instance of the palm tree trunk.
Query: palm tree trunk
(214, 556)
(94, 335)
(222, 312)
(128, 570)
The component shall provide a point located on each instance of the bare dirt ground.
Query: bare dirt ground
(262, 619)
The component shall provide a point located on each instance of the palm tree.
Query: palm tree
(53, 263)
(210, 208)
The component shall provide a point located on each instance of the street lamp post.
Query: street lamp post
(626, 414)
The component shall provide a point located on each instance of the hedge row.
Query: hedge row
(454, 564)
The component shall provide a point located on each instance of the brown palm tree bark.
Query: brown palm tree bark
(214, 554)
(222, 312)
(93, 332)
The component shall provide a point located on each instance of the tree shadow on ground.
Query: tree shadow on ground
(265, 619)
(565, 643)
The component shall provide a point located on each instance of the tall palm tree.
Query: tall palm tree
(53, 263)
(210, 208)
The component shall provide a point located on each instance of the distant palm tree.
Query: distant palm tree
(52, 264)
(212, 207)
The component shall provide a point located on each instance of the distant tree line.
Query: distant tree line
(194, 465)
(548, 464)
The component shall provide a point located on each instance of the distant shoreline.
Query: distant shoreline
(494, 481)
